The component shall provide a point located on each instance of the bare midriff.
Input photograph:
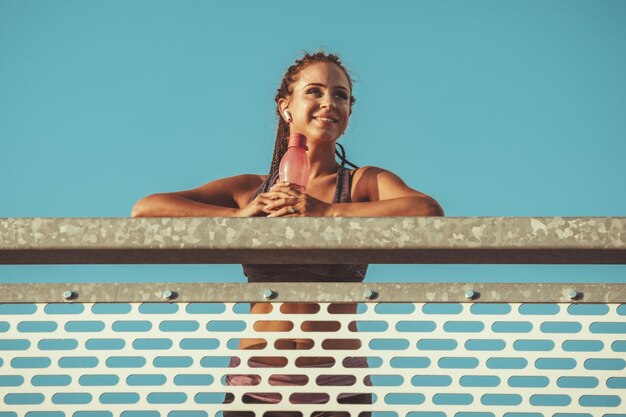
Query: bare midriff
(286, 325)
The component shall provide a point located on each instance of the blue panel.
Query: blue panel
(14, 344)
(226, 326)
(404, 398)
(473, 414)
(57, 344)
(64, 308)
(51, 380)
(193, 380)
(452, 399)
(372, 362)
(30, 363)
(616, 383)
(11, 380)
(140, 414)
(490, 308)
(215, 361)
(4, 326)
(15, 309)
(605, 364)
(458, 363)
(621, 310)
(410, 362)
(158, 308)
(588, 309)
(512, 327)
(371, 326)
(187, 414)
(394, 308)
(209, 398)
(71, 398)
(479, 381)
(618, 346)
(431, 380)
(78, 362)
(111, 308)
(523, 345)
(199, 344)
(98, 380)
(386, 380)
(555, 363)
(485, 344)
(583, 345)
(389, 344)
(577, 382)
(84, 326)
(528, 381)
(152, 344)
(45, 414)
(464, 326)
(105, 344)
(23, 399)
(179, 326)
(173, 362)
(132, 326)
(501, 399)
(92, 414)
(539, 309)
(37, 326)
(241, 308)
(437, 344)
(7, 414)
(599, 401)
(167, 398)
(207, 308)
(125, 362)
(609, 327)
(416, 326)
(146, 380)
(546, 400)
(561, 327)
(507, 363)
(119, 398)
(442, 308)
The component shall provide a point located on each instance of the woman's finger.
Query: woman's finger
(281, 202)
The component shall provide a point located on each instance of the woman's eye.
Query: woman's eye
(342, 95)
(315, 91)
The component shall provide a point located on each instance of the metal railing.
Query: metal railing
(421, 349)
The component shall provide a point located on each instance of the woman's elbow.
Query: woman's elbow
(430, 207)
(141, 207)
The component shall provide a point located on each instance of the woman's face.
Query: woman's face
(320, 102)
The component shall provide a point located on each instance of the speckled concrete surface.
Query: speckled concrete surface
(313, 240)
(316, 292)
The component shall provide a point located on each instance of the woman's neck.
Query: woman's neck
(322, 159)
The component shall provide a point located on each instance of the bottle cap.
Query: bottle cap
(297, 139)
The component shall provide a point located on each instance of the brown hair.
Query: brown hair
(282, 132)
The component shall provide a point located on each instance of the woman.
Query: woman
(314, 99)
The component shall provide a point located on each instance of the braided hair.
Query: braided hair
(285, 90)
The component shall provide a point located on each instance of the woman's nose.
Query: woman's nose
(328, 102)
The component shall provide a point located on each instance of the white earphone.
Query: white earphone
(287, 115)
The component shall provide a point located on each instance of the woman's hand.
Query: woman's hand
(293, 203)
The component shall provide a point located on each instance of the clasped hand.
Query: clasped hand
(284, 200)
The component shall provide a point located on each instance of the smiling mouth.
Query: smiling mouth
(325, 119)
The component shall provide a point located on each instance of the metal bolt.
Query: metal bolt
(168, 294)
(471, 294)
(574, 295)
(268, 294)
(68, 295)
(369, 294)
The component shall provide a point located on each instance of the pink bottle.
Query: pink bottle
(294, 167)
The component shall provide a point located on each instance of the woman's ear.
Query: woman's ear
(284, 112)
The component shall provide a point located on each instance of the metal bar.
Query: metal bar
(315, 292)
(419, 240)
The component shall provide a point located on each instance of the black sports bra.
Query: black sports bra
(308, 272)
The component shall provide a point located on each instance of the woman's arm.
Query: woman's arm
(378, 192)
(226, 197)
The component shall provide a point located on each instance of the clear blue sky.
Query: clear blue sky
(496, 108)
